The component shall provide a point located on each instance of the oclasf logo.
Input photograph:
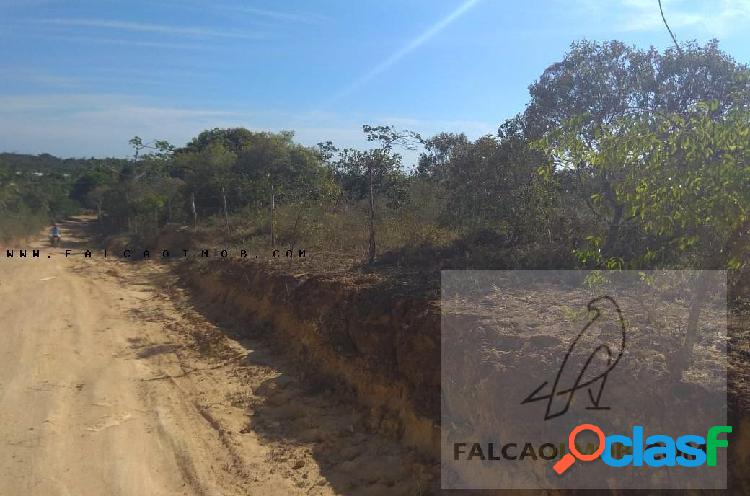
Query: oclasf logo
(657, 450)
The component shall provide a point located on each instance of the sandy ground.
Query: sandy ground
(111, 382)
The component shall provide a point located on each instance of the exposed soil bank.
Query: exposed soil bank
(382, 347)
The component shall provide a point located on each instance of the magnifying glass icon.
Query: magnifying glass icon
(569, 458)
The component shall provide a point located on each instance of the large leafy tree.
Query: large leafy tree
(689, 181)
(684, 178)
(692, 186)
(606, 81)
(581, 101)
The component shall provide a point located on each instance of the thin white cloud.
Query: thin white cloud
(98, 124)
(73, 80)
(199, 32)
(97, 104)
(305, 17)
(30, 103)
(41, 78)
(717, 18)
(95, 40)
(405, 50)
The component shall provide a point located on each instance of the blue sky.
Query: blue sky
(79, 78)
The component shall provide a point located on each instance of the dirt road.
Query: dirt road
(112, 383)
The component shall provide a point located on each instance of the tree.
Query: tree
(30, 199)
(435, 161)
(599, 166)
(206, 174)
(234, 140)
(580, 101)
(96, 196)
(130, 197)
(137, 143)
(162, 149)
(606, 81)
(98, 177)
(685, 179)
(491, 183)
(382, 161)
(689, 182)
(240, 168)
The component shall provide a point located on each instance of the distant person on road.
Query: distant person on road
(54, 235)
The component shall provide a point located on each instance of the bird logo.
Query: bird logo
(588, 377)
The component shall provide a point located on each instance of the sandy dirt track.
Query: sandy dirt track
(112, 383)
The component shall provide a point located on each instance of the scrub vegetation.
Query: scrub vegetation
(623, 158)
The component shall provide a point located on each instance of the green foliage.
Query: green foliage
(624, 158)
(583, 112)
(233, 169)
(605, 81)
(30, 199)
(350, 170)
(247, 164)
(690, 182)
(491, 183)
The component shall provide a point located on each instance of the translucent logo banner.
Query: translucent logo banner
(584, 380)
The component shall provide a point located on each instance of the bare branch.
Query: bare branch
(674, 38)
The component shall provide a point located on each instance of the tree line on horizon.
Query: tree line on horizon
(622, 158)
